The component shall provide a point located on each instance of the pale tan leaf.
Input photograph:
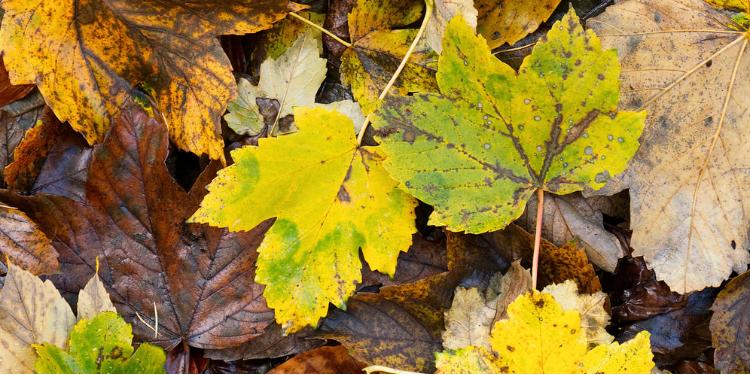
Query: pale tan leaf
(31, 312)
(468, 321)
(688, 181)
(93, 299)
(442, 12)
(504, 289)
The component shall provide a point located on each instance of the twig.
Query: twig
(321, 28)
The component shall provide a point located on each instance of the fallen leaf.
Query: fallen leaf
(508, 21)
(243, 114)
(568, 262)
(573, 217)
(380, 332)
(507, 288)
(730, 328)
(324, 360)
(133, 202)
(468, 321)
(15, 120)
(442, 12)
(469, 360)
(31, 311)
(100, 345)
(24, 244)
(10, 93)
(741, 5)
(336, 193)
(687, 210)
(680, 334)
(272, 343)
(86, 59)
(541, 337)
(594, 317)
(378, 45)
(426, 257)
(481, 148)
(93, 299)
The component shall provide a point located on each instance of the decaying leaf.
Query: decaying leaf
(323, 360)
(442, 12)
(568, 262)
(468, 360)
(100, 345)
(688, 201)
(15, 120)
(742, 5)
(594, 318)
(506, 288)
(24, 244)
(86, 58)
(200, 279)
(272, 343)
(730, 326)
(468, 321)
(378, 47)
(481, 148)
(93, 299)
(31, 312)
(292, 79)
(380, 332)
(8, 92)
(573, 217)
(336, 200)
(508, 21)
(426, 257)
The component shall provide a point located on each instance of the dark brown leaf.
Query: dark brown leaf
(200, 279)
(271, 344)
(15, 120)
(10, 93)
(378, 331)
(324, 360)
(730, 326)
(426, 257)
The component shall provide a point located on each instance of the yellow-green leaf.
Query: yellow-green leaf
(329, 197)
(86, 58)
(540, 337)
(479, 149)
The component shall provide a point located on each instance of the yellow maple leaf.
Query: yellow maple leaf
(540, 337)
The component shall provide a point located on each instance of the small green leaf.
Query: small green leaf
(491, 138)
(100, 345)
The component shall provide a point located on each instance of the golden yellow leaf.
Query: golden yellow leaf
(86, 57)
(508, 21)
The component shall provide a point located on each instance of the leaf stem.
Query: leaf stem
(321, 28)
(537, 237)
(429, 4)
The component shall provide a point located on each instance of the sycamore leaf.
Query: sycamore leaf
(133, 220)
(505, 288)
(31, 311)
(730, 326)
(594, 318)
(24, 244)
(687, 197)
(541, 337)
(243, 115)
(442, 12)
(275, 42)
(100, 345)
(86, 58)
(377, 50)
(508, 21)
(468, 321)
(481, 148)
(15, 121)
(336, 199)
(323, 360)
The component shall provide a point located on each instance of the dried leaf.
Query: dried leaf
(324, 360)
(481, 148)
(87, 58)
(10, 93)
(133, 220)
(15, 120)
(687, 204)
(442, 12)
(730, 327)
(505, 289)
(26, 245)
(272, 343)
(594, 318)
(31, 311)
(508, 21)
(468, 321)
(93, 299)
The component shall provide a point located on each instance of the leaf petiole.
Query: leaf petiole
(429, 4)
(321, 28)
(537, 236)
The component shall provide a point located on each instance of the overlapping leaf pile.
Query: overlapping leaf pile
(250, 180)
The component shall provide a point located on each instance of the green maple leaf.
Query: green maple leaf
(492, 137)
(100, 345)
(330, 198)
